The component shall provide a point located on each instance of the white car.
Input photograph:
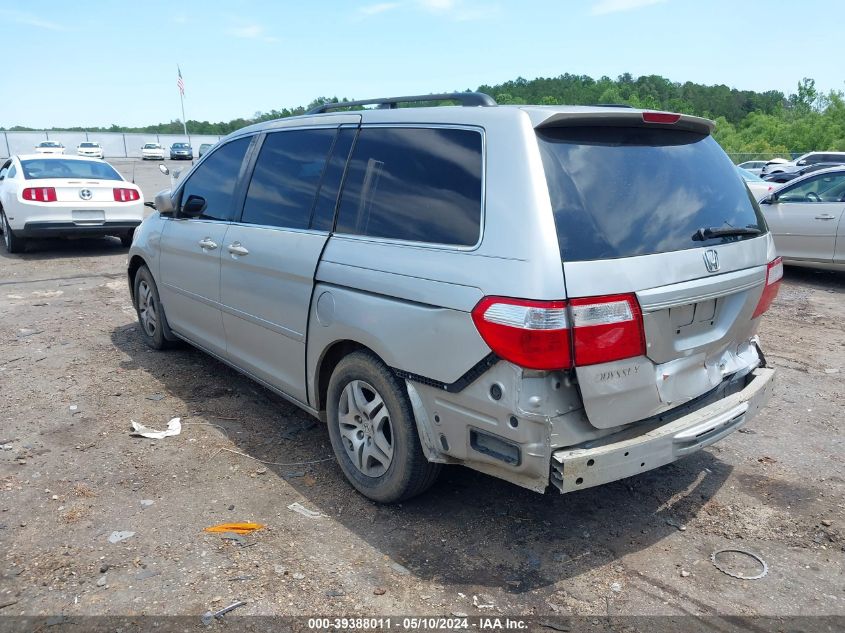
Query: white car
(759, 188)
(152, 151)
(49, 147)
(90, 149)
(810, 158)
(753, 166)
(55, 196)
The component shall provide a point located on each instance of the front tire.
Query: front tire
(150, 313)
(373, 431)
(13, 243)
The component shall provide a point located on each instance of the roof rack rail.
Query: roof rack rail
(464, 98)
(611, 105)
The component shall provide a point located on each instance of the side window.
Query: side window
(823, 188)
(323, 216)
(215, 181)
(287, 173)
(417, 184)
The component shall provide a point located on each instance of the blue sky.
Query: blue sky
(97, 62)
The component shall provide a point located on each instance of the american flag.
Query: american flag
(179, 82)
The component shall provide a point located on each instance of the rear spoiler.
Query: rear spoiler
(621, 117)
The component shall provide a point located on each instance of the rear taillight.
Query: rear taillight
(661, 117)
(544, 334)
(774, 275)
(125, 195)
(607, 329)
(531, 334)
(40, 194)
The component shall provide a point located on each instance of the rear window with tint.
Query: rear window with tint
(621, 192)
(416, 184)
(62, 168)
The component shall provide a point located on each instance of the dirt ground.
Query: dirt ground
(74, 372)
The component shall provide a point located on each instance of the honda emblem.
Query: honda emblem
(711, 261)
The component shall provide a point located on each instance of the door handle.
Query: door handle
(237, 249)
(825, 216)
(207, 243)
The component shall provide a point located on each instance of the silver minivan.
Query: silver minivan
(557, 296)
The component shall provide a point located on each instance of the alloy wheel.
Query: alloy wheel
(147, 312)
(365, 428)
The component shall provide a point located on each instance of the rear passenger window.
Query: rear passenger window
(215, 180)
(417, 184)
(286, 177)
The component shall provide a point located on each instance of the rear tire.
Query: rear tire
(373, 431)
(151, 317)
(14, 244)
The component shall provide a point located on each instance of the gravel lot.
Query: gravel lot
(74, 372)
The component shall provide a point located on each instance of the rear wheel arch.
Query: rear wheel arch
(134, 264)
(330, 358)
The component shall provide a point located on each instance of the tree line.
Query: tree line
(748, 122)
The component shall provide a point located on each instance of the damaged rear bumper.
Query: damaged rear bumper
(639, 449)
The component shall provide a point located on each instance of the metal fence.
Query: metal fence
(741, 157)
(114, 144)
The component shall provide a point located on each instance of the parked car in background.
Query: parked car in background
(756, 185)
(810, 158)
(772, 165)
(57, 196)
(152, 151)
(181, 151)
(294, 253)
(753, 166)
(782, 177)
(805, 217)
(204, 148)
(49, 147)
(90, 149)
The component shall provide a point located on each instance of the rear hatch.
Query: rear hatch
(665, 256)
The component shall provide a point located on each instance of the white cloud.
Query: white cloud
(30, 19)
(603, 7)
(252, 32)
(438, 5)
(459, 10)
(375, 9)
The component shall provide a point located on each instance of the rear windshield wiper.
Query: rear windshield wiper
(708, 233)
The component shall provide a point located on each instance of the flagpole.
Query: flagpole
(184, 122)
(182, 101)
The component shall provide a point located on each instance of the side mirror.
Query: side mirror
(193, 207)
(163, 169)
(164, 203)
(801, 163)
(769, 199)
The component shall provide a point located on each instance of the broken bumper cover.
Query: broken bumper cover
(637, 450)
